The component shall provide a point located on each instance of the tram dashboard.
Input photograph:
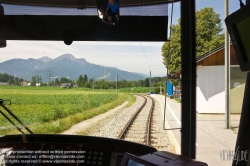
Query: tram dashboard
(46, 149)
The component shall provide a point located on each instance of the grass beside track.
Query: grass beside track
(51, 111)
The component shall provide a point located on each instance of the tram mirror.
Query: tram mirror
(108, 11)
(68, 38)
(238, 26)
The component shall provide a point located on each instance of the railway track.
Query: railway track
(143, 123)
(138, 129)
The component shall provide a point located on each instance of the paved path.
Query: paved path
(213, 141)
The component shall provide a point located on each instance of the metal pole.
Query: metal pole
(227, 69)
(15, 117)
(160, 86)
(116, 82)
(150, 84)
(188, 63)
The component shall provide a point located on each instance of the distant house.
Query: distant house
(4, 83)
(210, 87)
(25, 84)
(65, 85)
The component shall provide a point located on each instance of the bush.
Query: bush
(156, 90)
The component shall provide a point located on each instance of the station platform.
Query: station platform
(214, 143)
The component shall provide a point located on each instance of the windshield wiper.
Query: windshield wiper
(14, 116)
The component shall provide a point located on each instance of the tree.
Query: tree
(208, 37)
(88, 85)
(208, 30)
(79, 81)
(64, 80)
(16, 81)
(40, 79)
(146, 82)
(123, 84)
(57, 81)
(140, 83)
(33, 81)
(85, 79)
(37, 79)
(10, 81)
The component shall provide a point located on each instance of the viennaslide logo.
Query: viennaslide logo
(237, 155)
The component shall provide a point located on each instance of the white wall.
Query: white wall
(210, 89)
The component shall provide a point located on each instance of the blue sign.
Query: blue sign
(170, 89)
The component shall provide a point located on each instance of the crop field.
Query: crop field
(55, 110)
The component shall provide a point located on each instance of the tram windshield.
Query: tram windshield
(60, 94)
(68, 83)
(51, 86)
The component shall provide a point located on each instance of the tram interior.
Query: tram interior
(91, 28)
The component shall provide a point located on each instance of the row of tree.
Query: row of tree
(11, 80)
(36, 80)
(84, 82)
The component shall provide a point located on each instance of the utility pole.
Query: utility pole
(116, 82)
(150, 84)
(49, 75)
(227, 69)
(94, 84)
(160, 86)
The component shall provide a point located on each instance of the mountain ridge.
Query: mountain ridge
(65, 65)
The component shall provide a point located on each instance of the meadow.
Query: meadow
(53, 110)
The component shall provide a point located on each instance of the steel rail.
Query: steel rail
(132, 120)
(149, 121)
(124, 131)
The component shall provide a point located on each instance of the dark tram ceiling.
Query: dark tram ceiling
(79, 3)
(81, 28)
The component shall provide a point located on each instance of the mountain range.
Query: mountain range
(65, 65)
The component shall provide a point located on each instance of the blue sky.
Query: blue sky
(217, 5)
(141, 57)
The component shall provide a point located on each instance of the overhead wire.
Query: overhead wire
(140, 44)
(144, 54)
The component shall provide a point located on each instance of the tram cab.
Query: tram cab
(90, 150)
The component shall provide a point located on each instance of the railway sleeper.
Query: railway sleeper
(142, 141)
(140, 136)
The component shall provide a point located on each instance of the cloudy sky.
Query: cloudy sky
(141, 57)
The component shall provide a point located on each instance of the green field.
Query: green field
(53, 110)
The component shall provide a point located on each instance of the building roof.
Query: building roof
(216, 57)
(210, 53)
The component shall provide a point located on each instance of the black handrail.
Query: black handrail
(14, 116)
